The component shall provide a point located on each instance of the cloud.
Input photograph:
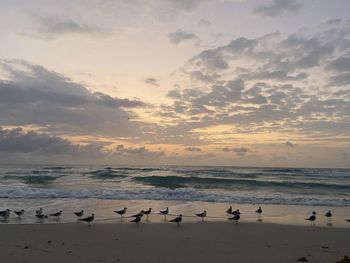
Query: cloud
(341, 64)
(180, 36)
(152, 81)
(50, 27)
(193, 149)
(138, 152)
(240, 151)
(33, 95)
(289, 144)
(278, 8)
(19, 141)
(204, 23)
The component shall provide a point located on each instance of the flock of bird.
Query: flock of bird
(233, 215)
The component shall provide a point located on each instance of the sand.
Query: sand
(164, 242)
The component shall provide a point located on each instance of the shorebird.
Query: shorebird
(80, 213)
(19, 212)
(59, 213)
(329, 216)
(312, 218)
(147, 212)
(177, 220)
(235, 212)
(41, 216)
(165, 212)
(136, 220)
(229, 211)
(138, 215)
(259, 211)
(202, 215)
(88, 219)
(121, 213)
(39, 212)
(236, 216)
(5, 214)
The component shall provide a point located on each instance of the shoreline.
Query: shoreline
(165, 242)
(103, 210)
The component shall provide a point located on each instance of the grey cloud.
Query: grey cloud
(140, 152)
(240, 151)
(289, 144)
(341, 64)
(180, 36)
(152, 81)
(279, 8)
(19, 141)
(204, 23)
(33, 95)
(51, 27)
(193, 149)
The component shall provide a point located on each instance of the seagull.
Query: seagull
(59, 213)
(235, 212)
(39, 212)
(88, 219)
(5, 214)
(121, 213)
(138, 215)
(312, 218)
(229, 211)
(19, 212)
(202, 215)
(147, 212)
(136, 220)
(41, 216)
(329, 216)
(236, 216)
(80, 213)
(177, 220)
(259, 211)
(164, 212)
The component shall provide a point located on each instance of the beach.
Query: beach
(165, 242)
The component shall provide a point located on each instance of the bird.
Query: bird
(41, 216)
(136, 220)
(5, 214)
(88, 219)
(236, 216)
(347, 220)
(19, 212)
(202, 215)
(39, 212)
(177, 220)
(312, 218)
(229, 211)
(329, 216)
(138, 215)
(80, 213)
(235, 212)
(259, 211)
(164, 212)
(147, 212)
(121, 212)
(59, 213)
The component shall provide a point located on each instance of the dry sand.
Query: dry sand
(164, 242)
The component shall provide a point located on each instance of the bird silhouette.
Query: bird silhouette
(88, 219)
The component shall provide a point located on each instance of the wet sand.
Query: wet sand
(165, 242)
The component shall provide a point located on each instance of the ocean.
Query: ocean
(70, 187)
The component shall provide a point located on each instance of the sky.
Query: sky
(175, 82)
